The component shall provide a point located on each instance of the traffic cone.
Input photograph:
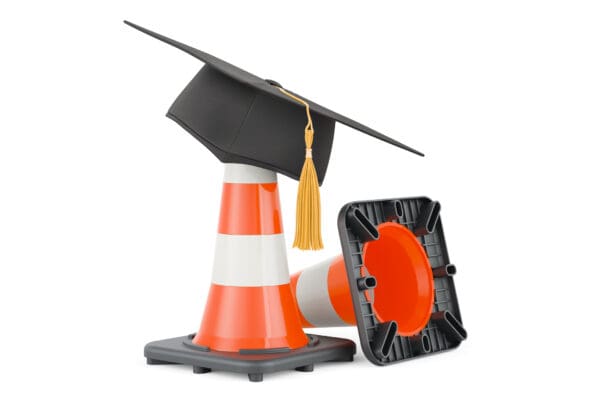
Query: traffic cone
(250, 303)
(251, 323)
(394, 281)
(396, 278)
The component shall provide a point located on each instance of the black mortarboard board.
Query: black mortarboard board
(242, 118)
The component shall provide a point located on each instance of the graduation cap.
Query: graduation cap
(244, 119)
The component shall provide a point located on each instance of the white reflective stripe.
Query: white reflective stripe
(242, 173)
(250, 260)
(312, 296)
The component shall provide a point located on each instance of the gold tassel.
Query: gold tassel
(308, 203)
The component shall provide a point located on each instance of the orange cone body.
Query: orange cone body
(404, 291)
(250, 304)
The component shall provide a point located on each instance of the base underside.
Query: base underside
(181, 350)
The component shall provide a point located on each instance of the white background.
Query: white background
(108, 210)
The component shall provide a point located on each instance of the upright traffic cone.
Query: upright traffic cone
(251, 323)
(250, 304)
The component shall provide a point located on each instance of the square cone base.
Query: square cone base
(358, 224)
(181, 350)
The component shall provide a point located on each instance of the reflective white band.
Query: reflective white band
(250, 260)
(242, 173)
(312, 295)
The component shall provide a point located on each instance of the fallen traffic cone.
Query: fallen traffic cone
(396, 278)
(393, 281)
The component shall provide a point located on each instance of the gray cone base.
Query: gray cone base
(179, 351)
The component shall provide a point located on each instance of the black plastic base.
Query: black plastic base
(181, 350)
(357, 225)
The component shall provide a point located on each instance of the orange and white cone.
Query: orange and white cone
(250, 304)
(397, 279)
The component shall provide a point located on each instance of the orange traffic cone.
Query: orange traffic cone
(250, 304)
(251, 323)
(397, 279)
(394, 281)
